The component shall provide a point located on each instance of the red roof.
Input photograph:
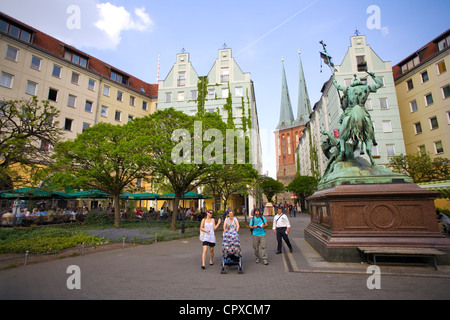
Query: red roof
(425, 53)
(53, 46)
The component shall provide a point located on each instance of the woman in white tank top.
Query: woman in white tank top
(209, 239)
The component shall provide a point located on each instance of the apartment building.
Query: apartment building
(85, 89)
(422, 83)
(382, 106)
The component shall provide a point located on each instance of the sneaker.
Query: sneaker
(278, 252)
(265, 262)
(257, 260)
(290, 250)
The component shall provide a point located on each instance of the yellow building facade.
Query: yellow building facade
(422, 83)
(84, 89)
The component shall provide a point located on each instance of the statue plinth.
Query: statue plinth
(360, 171)
(372, 209)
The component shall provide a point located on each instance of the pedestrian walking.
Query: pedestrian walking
(281, 228)
(208, 226)
(231, 222)
(257, 225)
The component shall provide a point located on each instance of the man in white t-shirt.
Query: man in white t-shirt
(281, 228)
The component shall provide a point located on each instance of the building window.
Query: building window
(15, 31)
(85, 126)
(104, 111)
(441, 67)
(106, 90)
(130, 117)
(52, 94)
(45, 145)
(132, 100)
(88, 106)
(224, 93)
(118, 115)
(75, 78)
(384, 104)
(35, 63)
(119, 77)
(429, 99)
(211, 94)
(6, 80)
(411, 64)
(181, 82)
(56, 72)
(413, 105)
(168, 97)
(71, 102)
(434, 123)
(194, 95)
(409, 85)
(180, 96)
(283, 144)
(375, 151)
(144, 105)
(68, 124)
(142, 89)
(368, 105)
(390, 150)
(75, 58)
(438, 147)
(224, 75)
(11, 53)
(444, 43)
(387, 126)
(424, 76)
(119, 95)
(418, 128)
(446, 91)
(238, 92)
(422, 149)
(91, 85)
(31, 88)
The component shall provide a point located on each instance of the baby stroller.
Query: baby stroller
(231, 251)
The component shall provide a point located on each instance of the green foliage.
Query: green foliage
(271, 187)
(202, 91)
(45, 244)
(25, 124)
(421, 167)
(303, 187)
(97, 217)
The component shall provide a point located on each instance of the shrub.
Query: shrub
(46, 244)
(97, 217)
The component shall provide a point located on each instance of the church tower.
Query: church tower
(289, 131)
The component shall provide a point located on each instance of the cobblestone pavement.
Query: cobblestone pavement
(171, 270)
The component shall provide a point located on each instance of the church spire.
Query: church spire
(304, 105)
(286, 114)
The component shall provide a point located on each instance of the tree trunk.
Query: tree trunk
(116, 210)
(173, 225)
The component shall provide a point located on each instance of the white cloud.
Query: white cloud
(114, 20)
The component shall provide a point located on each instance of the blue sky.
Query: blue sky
(131, 34)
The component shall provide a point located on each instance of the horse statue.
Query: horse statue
(355, 124)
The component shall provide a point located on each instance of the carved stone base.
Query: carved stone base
(346, 217)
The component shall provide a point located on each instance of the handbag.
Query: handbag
(202, 235)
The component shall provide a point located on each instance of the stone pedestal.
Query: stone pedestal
(347, 216)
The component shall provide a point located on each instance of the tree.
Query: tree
(421, 167)
(105, 157)
(27, 130)
(271, 187)
(173, 136)
(228, 179)
(303, 187)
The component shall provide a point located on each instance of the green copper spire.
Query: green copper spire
(304, 105)
(286, 114)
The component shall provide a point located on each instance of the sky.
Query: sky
(135, 35)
